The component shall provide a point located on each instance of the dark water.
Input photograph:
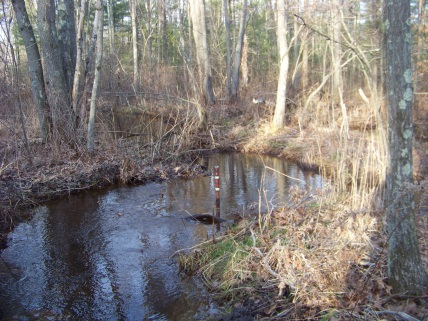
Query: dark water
(106, 255)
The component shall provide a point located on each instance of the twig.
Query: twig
(276, 171)
(254, 243)
(328, 38)
(402, 315)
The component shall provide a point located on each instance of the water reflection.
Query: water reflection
(105, 255)
(246, 179)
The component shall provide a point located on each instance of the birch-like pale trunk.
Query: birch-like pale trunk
(281, 95)
(136, 82)
(112, 54)
(97, 74)
(336, 50)
(244, 62)
(197, 13)
(189, 74)
(80, 65)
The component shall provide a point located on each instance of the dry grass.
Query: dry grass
(326, 257)
(309, 257)
(324, 251)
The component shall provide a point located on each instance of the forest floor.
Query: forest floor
(332, 266)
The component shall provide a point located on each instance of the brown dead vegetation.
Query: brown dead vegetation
(308, 261)
(322, 257)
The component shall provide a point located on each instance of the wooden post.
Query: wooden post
(217, 190)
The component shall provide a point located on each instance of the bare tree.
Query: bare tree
(59, 95)
(88, 68)
(244, 63)
(149, 31)
(133, 5)
(184, 50)
(80, 68)
(405, 268)
(67, 39)
(238, 52)
(162, 43)
(279, 116)
(304, 39)
(98, 62)
(197, 12)
(228, 50)
(112, 53)
(34, 67)
(335, 48)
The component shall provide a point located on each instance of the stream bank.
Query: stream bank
(24, 186)
(70, 172)
(109, 254)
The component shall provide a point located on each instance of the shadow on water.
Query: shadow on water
(105, 255)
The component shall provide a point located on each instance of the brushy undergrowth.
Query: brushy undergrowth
(310, 259)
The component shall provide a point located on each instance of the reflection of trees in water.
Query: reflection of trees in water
(86, 259)
(66, 242)
(243, 178)
(194, 196)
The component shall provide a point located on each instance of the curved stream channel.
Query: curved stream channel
(105, 255)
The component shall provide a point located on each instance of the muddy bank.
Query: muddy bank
(23, 185)
(26, 186)
(33, 186)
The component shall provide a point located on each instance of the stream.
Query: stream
(106, 255)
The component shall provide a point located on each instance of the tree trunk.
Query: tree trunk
(59, 95)
(238, 52)
(67, 39)
(149, 32)
(184, 49)
(197, 13)
(296, 47)
(133, 5)
(98, 63)
(90, 56)
(112, 54)
(162, 43)
(281, 95)
(305, 59)
(244, 62)
(80, 66)
(405, 269)
(34, 68)
(376, 41)
(88, 68)
(336, 50)
(228, 50)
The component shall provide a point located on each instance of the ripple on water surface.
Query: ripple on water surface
(105, 255)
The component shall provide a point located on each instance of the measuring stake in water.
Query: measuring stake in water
(217, 190)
